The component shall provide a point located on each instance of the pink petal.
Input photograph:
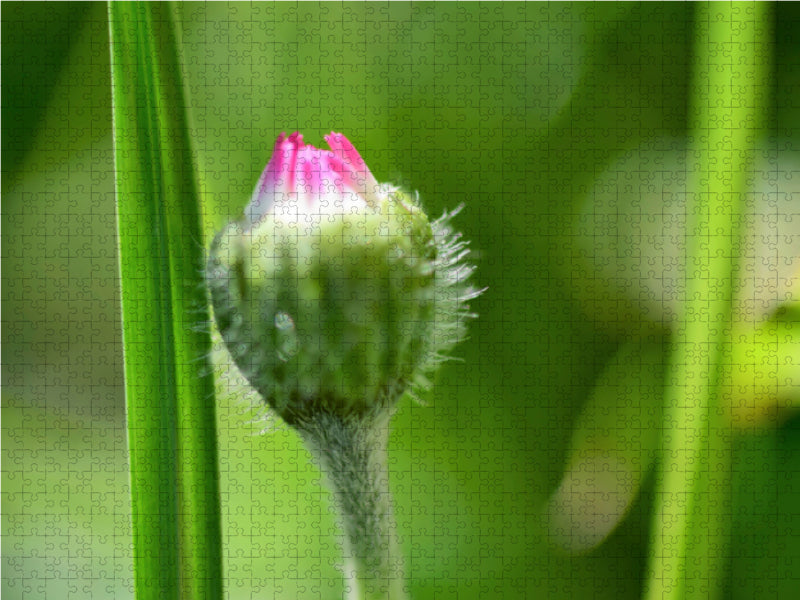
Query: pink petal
(365, 182)
(264, 194)
(309, 181)
(278, 177)
(346, 179)
(300, 173)
(292, 146)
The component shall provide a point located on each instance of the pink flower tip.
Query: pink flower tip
(312, 180)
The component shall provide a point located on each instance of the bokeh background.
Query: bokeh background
(514, 110)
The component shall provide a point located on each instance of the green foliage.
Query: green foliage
(513, 109)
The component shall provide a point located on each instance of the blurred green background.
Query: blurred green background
(512, 109)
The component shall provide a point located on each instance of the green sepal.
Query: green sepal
(338, 314)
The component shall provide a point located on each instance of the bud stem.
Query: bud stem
(352, 452)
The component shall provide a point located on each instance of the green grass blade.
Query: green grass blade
(689, 545)
(169, 392)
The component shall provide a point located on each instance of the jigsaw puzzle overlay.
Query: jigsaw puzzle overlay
(528, 469)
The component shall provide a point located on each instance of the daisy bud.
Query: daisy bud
(334, 292)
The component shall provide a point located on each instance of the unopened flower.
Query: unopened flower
(334, 292)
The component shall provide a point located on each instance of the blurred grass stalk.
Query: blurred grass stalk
(168, 386)
(689, 539)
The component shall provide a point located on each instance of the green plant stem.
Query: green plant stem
(352, 453)
(689, 545)
(169, 391)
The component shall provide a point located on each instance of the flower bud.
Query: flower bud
(333, 292)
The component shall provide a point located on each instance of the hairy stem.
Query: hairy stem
(352, 454)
